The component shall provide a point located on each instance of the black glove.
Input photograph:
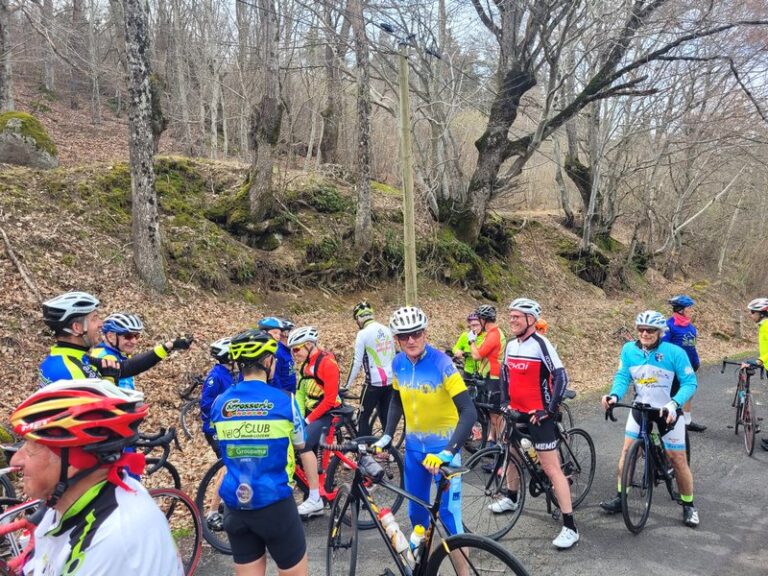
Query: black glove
(182, 343)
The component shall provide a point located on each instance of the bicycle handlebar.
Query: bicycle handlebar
(749, 369)
(641, 407)
(162, 440)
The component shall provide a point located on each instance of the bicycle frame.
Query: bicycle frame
(19, 556)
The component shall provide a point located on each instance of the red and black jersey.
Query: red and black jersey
(535, 375)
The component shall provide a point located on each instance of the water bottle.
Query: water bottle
(395, 535)
(530, 450)
(416, 541)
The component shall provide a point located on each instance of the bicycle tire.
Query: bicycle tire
(206, 491)
(637, 479)
(687, 447)
(338, 475)
(342, 534)
(480, 489)
(566, 416)
(160, 476)
(190, 418)
(578, 463)
(739, 401)
(749, 423)
(377, 429)
(185, 524)
(478, 439)
(483, 556)
(7, 489)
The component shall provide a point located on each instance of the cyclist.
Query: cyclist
(439, 415)
(542, 326)
(758, 311)
(536, 382)
(283, 374)
(652, 366)
(463, 350)
(99, 519)
(74, 319)
(317, 395)
(488, 356)
(218, 380)
(374, 352)
(257, 425)
(681, 331)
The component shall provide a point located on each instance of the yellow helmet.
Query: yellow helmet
(251, 345)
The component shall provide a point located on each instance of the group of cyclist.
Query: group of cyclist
(269, 397)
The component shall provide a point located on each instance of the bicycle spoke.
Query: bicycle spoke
(184, 521)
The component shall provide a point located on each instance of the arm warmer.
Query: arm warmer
(559, 385)
(467, 417)
(394, 414)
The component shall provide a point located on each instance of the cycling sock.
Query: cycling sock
(314, 495)
(686, 499)
(618, 490)
(568, 522)
(512, 495)
(688, 418)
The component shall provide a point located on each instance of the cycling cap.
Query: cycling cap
(681, 301)
(302, 336)
(526, 306)
(652, 319)
(407, 319)
(71, 413)
(251, 345)
(220, 349)
(486, 312)
(270, 323)
(758, 305)
(362, 310)
(59, 312)
(120, 323)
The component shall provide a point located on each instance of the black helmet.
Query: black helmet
(362, 310)
(486, 312)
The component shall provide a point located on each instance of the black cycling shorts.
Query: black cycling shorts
(276, 528)
(313, 433)
(493, 392)
(544, 434)
(213, 442)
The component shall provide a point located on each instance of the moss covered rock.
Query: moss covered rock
(24, 141)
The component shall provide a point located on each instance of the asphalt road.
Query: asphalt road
(729, 490)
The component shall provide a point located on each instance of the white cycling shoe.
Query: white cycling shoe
(566, 539)
(310, 508)
(504, 504)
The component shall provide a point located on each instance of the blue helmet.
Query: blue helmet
(652, 319)
(681, 301)
(271, 323)
(121, 323)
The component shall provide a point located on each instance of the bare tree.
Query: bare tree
(6, 70)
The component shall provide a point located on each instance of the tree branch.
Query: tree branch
(486, 19)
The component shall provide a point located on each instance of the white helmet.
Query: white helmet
(758, 305)
(408, 319)
(526, 306)
(59, 312)
(120, 323)
(653, 319)
(302, 335)
(220, 349)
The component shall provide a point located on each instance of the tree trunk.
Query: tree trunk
(493, 149)
(179, 66)
(6, 74)
(76, 51)
(214, 112)
(49, 58)
(329, 145)
(266, 117)
(147, 244)
(93, 63)
(363, 231)
(565, 202)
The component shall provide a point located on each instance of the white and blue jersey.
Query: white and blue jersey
(104, 350)
(257, 426)
(652, 373)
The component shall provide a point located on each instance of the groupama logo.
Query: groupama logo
(235, 408)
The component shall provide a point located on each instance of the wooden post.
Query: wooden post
(409, 228)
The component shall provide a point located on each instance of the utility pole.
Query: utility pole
(406, 158)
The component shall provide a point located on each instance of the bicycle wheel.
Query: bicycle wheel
(209, 504)
(478, 439)
(749, 424)
(739, 408)
(391, 460)
(566, 417)
(190, 418)
(184, 521)
(341, 551)
(377, 429)
(156, 476)
(636, 487)
(577, 460)
(7, 489)
(476, 555)
(484, 486)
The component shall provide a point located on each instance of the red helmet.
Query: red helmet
(86, 413)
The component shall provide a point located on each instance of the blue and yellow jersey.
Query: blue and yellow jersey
(66, 362)
(257, 426)
(104, 350)
(427, 389)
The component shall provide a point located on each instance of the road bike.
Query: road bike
(746, 415)
(496, 470)
(334, 469)
(438, 553)
(159, 473)
(189, 413)
(646, 465)
(377, 425)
